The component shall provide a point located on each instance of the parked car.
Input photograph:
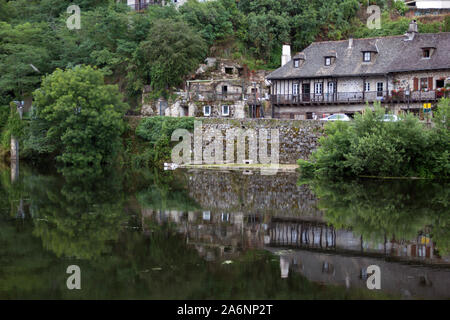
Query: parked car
(336, 117)
(390, 118)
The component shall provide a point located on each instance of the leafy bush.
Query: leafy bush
(14, 126)
(369, 146)
(157, 132)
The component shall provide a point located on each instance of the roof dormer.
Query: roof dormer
(298, 60)
(330, 58)
(427, 52)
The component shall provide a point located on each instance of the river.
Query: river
(191, 234)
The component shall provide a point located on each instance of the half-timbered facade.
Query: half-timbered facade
(401, 72)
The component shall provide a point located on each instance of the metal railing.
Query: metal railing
(355, 97)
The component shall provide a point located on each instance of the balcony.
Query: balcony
(355, 97)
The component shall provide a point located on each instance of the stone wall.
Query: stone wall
(297, 138)
(230, 192)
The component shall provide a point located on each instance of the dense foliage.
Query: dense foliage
(156, 132)
(372, 147)
(77, 117)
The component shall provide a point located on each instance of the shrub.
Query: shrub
(372, 147)
(157, 132)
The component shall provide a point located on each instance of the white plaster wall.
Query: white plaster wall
(433, 4)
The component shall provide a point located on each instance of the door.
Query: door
(258, 112)
(306, 92)
(380, 86)
(331, 91)
(295, 88)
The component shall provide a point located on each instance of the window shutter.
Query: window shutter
(416, 84)
(430, 83)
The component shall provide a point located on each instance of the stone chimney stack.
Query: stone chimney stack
(286, 54)
(413, 27)
(350, 43)
(412, 30)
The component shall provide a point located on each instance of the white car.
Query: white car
(336, 117)
(390, 118)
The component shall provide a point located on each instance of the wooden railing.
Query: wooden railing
(355, 97)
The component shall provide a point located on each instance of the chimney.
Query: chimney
(412, 30)
(350, 43)
(286, 54)
(413, 27)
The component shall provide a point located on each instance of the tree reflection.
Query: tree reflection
(75, 215)
(393, 209)
(79, 216)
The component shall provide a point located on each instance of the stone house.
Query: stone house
(220, 88)
(401, 72)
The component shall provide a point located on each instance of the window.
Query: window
(318, 88)
(424, 84)
(225, 110)
(228, 70)
(207, 111)
(426, 53)
(224, 89)
(440, 83)
(367, 57)
(380, 86)
(296, 63)
(366, 86)
(206, 215)
(295, 87)
(327, 61)
(331, 87)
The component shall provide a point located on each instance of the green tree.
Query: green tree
(211, 19)
(171, 51)
(20, 47)
(81, 116)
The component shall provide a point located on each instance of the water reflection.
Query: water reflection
(172, 235)
(330, 234)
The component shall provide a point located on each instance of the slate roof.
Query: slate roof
(394, 54)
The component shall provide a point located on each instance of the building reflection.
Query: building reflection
(315, 249)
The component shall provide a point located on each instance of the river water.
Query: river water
(146, 234)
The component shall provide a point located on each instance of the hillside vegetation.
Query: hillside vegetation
(162, 45)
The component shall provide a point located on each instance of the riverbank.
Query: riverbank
(243, 167)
